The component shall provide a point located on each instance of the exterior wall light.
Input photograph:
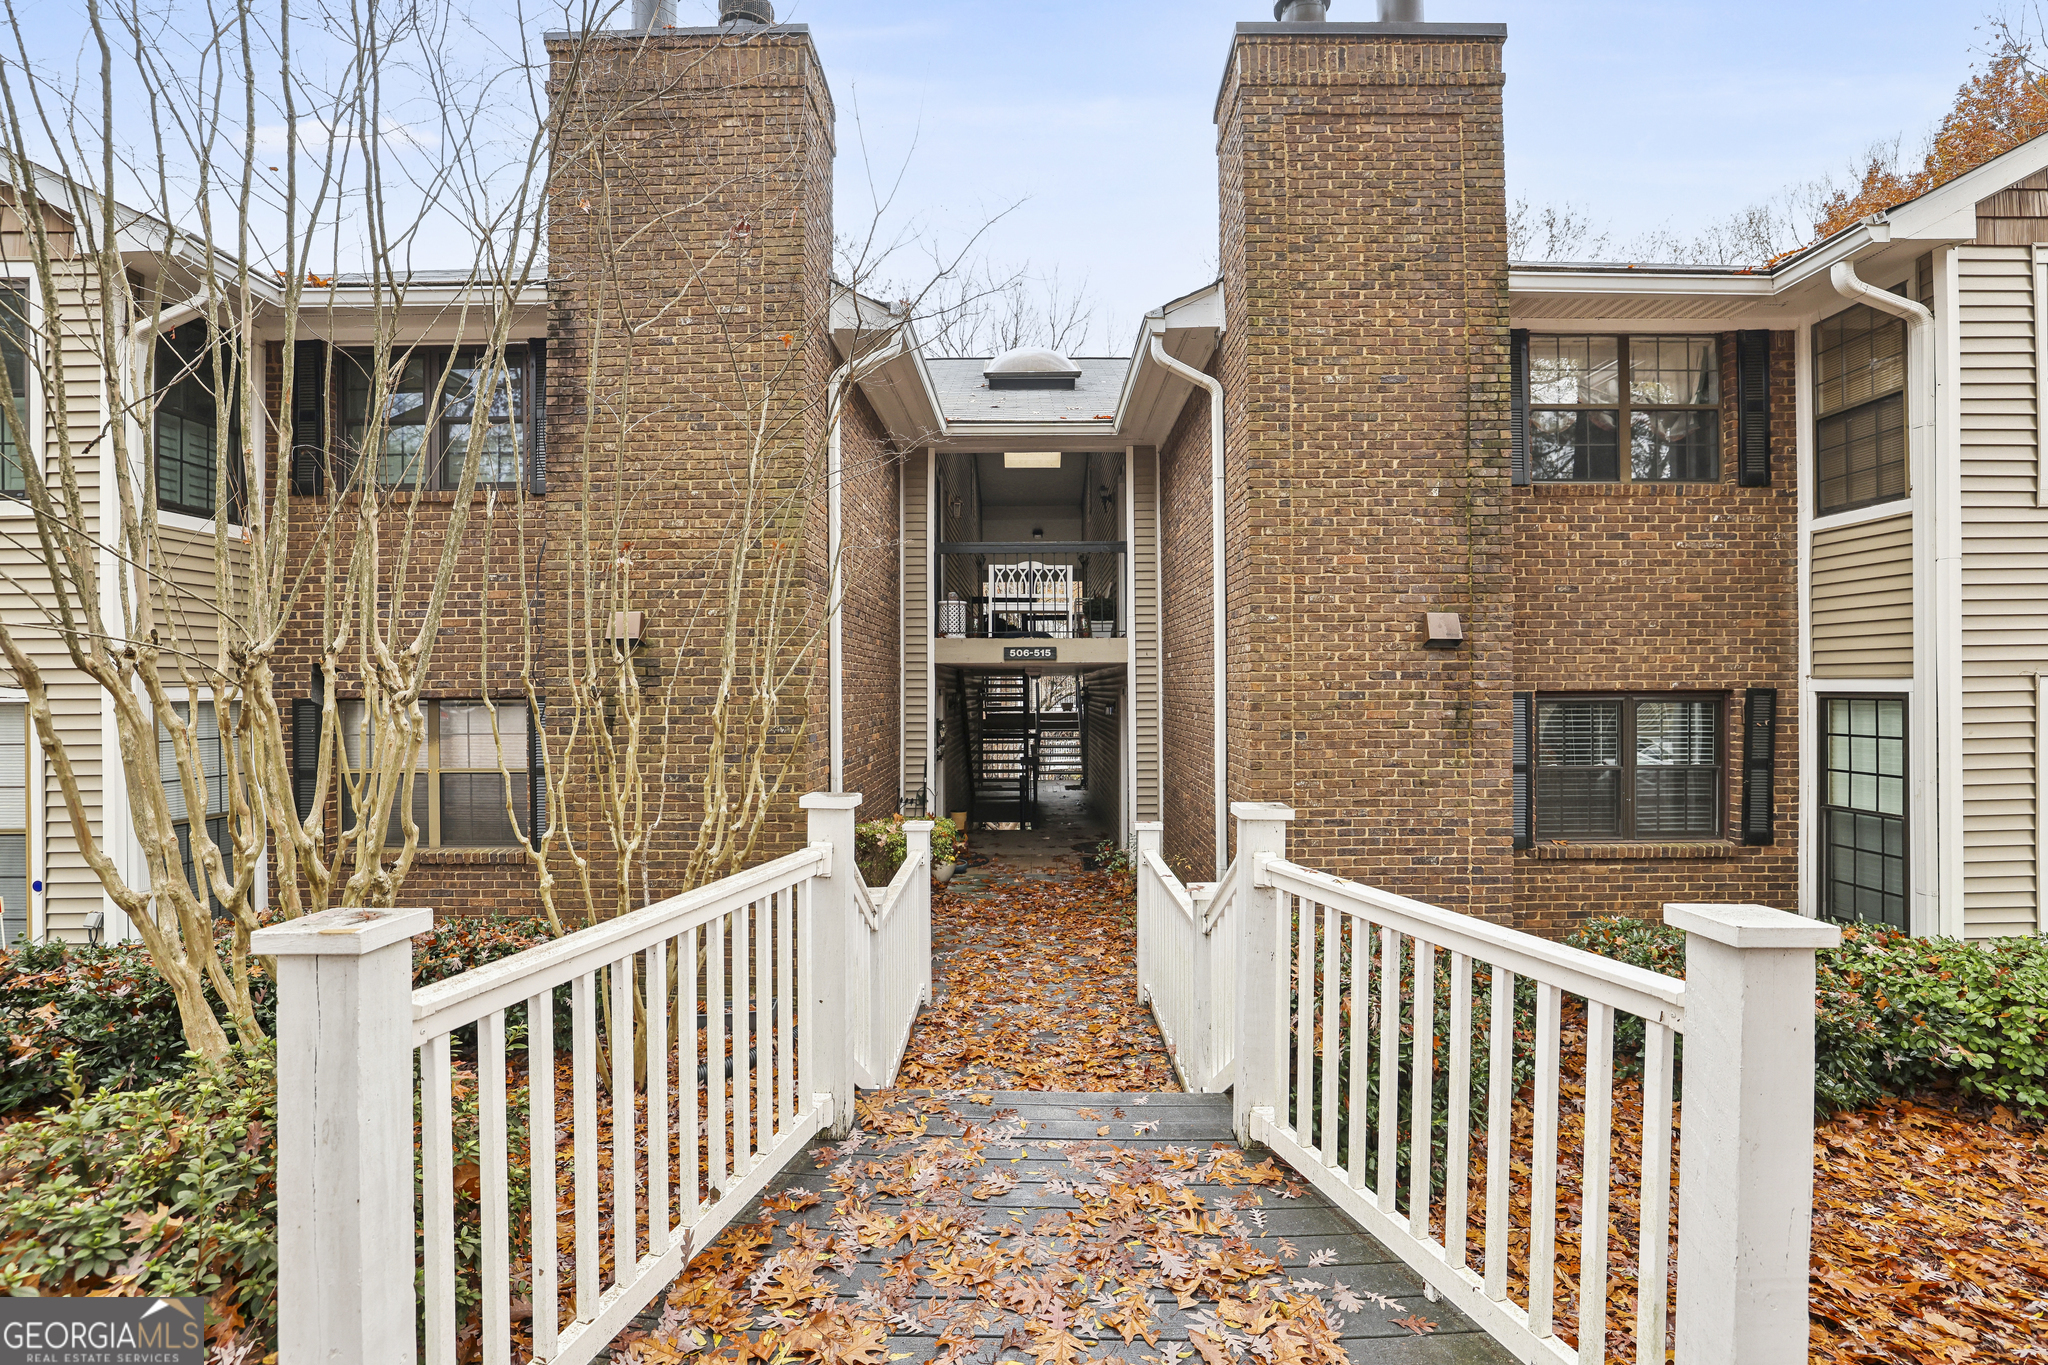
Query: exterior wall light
(628, 628)
(1446, 631)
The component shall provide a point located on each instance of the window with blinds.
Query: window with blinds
(13, 821)
(1628, 768)
(189, 432)
(211, 811)
(1859, 376)
(458, 792)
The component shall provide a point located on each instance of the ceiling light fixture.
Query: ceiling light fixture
(1031, 459)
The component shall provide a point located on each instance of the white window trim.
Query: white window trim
(33, 413)
(1901, 506)
(1810, 693)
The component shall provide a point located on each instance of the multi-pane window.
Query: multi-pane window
(213, 811)
(13, 822)
(458, 794)
(1859, 369)
(188, 425)
(14, 361)
(1863, 810)
(428, 405)
(1625, 409)
(1620, 767)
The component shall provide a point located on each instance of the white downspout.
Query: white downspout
(1931, 559)
(1217, 586)
(836, 724)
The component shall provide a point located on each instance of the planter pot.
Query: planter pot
(943, 872)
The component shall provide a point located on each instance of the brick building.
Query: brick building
(1545, 590)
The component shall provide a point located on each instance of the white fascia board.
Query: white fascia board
(1950, 213)
(993, 437)
(900, 392)
(1190, 329)
(1680, 285)
(1657, 284)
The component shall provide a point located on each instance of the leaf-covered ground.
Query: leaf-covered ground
(1037, 989)
(1930, 1235)
(1032, 1227)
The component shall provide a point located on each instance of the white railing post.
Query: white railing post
(1261, 1050)
(1151, 838)
(345, 1224)
(826, 1049)
(1746, 1166)
(917, 843)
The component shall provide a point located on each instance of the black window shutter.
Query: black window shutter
(1759, 750)
(537, 416)
(1518, 399)
(305, 754)
(536, 774)
(1753, 416)
(1525, 823)
(309, 416)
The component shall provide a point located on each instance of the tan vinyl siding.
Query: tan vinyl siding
(1145, 680)
(72, 891)
(917, 622)
(2004, 589)
(1863, 600)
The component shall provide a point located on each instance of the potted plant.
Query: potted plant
(945, 848)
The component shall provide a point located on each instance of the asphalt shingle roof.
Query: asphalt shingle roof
(964, 396)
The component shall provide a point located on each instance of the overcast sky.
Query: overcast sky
(1093, 118)
(1098, 113)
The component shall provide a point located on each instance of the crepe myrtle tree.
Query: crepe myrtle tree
(187, 196)
(695, 738)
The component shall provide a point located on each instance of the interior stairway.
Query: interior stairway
(1002, 750)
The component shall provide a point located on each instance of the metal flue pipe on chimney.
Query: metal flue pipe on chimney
(649, 15)
(1317, 11)
(746, 12)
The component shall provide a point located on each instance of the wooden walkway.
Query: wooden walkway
(1059, 1228)
(980, 1226)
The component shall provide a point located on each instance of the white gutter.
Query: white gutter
(1216, 588)
(1933, 559)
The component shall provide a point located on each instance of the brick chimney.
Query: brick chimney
(1364, 250)
(692, 204)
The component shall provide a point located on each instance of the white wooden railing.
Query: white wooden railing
(894, 958)
(1186, 970)
(1333, 975)
(709, 1037)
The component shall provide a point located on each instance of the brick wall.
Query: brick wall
(1365, 271)
(871, 506)
(689, 250)
(1662, 587)
(1187, 715)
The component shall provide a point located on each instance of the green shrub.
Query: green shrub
(880, 846)
(170, 1189)
(1894, 1013)
(105, 1007)
(463, 943)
